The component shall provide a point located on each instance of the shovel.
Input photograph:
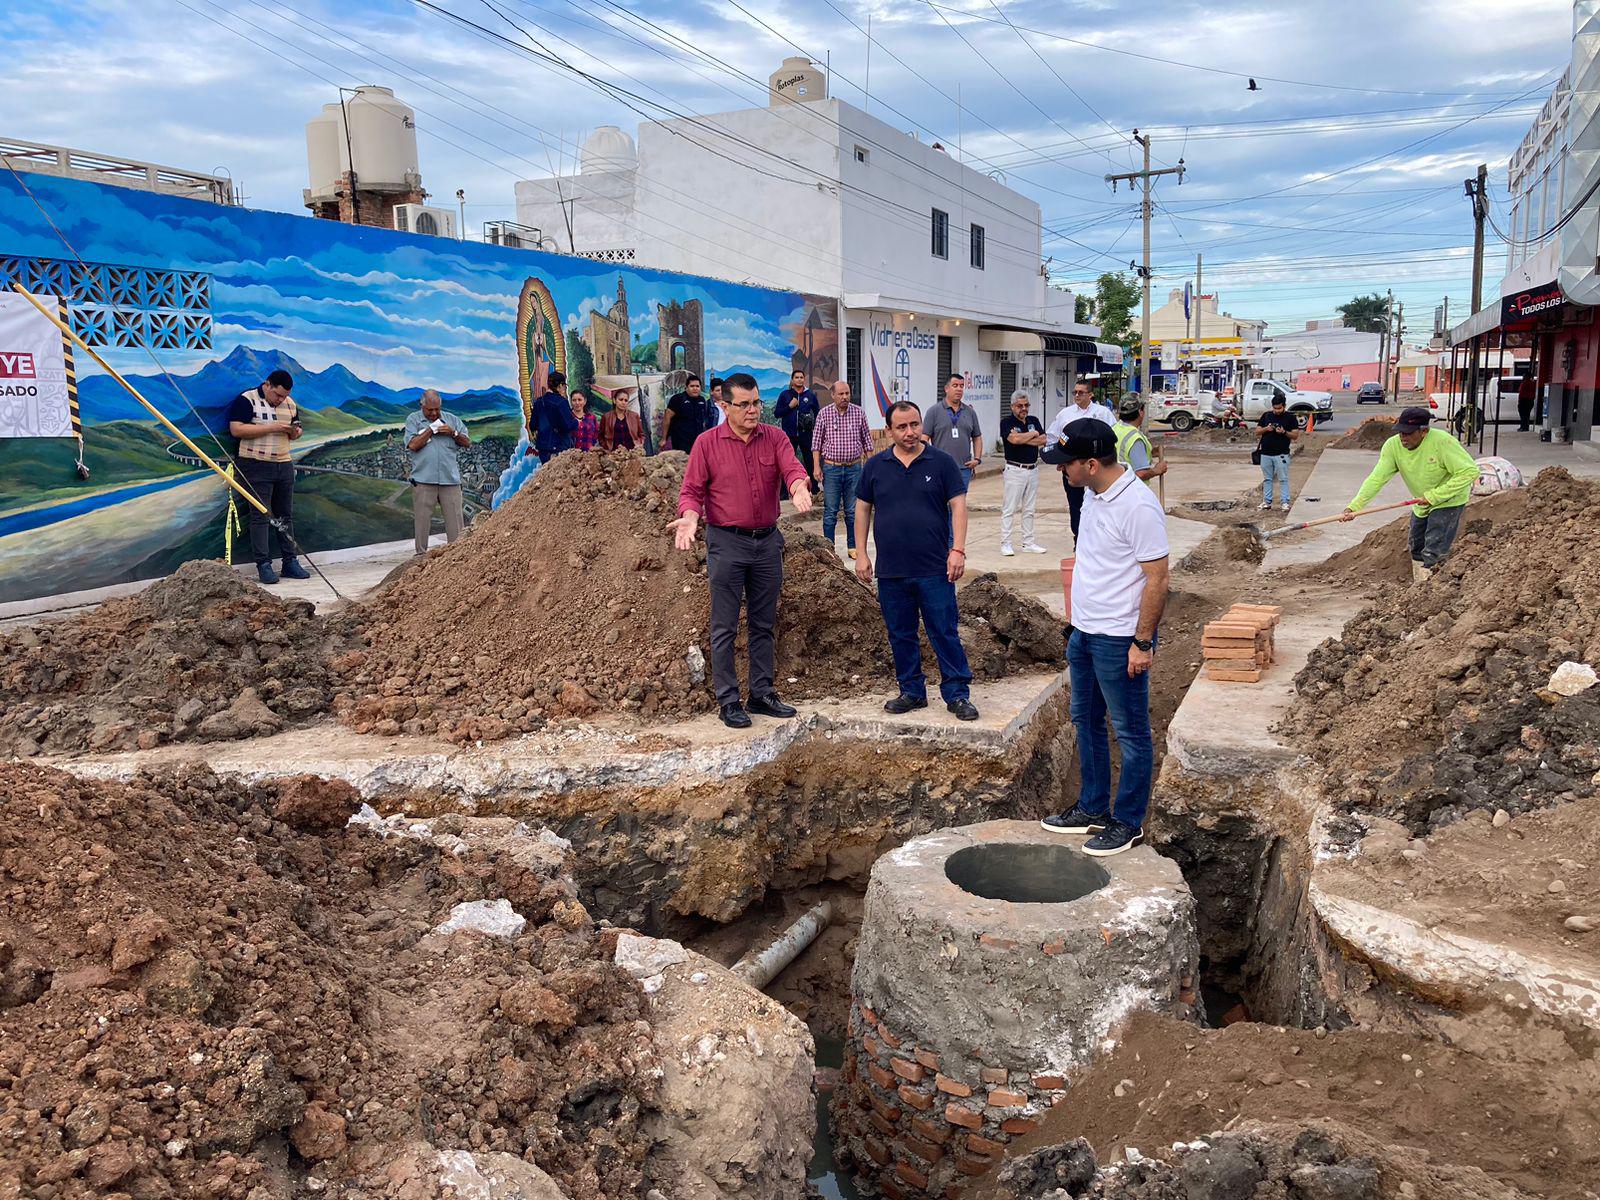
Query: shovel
(1266, 535)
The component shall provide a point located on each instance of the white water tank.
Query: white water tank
(609, 148)
(382, 136)
(797, 81)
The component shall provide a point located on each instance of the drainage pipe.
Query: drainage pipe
(760, 968)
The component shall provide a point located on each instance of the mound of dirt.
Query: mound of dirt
(1371, 434)
(201, 656)
(1418, 1112)
(1230, 544)
(197, 998)
(571, 600)
(1433, 701)
(1384, 555)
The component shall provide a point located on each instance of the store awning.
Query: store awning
(1109, 353)
(1028, 342)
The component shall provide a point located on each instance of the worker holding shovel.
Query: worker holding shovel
(1438, 471)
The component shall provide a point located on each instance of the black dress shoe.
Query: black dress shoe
(963, 709)
(735, 717)
(904, 704)
(770, 706)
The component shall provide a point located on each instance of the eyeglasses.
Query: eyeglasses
(744, 404)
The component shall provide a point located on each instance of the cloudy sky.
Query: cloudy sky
(1340, 174)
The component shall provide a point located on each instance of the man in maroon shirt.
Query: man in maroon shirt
(733, 479)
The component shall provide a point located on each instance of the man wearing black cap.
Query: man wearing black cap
(1438, 470)
(1119, 591)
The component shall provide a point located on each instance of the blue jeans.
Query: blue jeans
(839, 490)
(1274, 466)
(1097, 664)
(932, 598)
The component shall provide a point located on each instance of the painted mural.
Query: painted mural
(195, 302)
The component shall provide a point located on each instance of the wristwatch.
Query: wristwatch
(1144, 645)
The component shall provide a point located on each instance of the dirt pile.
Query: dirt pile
(1371, 434)
(1431, 1120)
(199, 998)
(201, 656)
(1384, 555)
(1304, 1164)
(1434, 702)
(571, 600)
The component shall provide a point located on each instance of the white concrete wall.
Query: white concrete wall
(599, 203)
(888, 206)
(768, 222)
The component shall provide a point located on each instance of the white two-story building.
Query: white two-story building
(933, 266)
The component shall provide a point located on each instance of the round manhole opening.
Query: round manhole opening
(1022, 873)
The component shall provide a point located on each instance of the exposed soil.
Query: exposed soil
(1532, 884)
(1371, 434)
(1433, 702)
(571, 600)
(214, 990)
(201, 656)
(1444, 1122)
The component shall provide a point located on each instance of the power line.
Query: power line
(1173, 62)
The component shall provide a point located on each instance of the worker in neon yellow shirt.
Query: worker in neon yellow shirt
(1439, 471)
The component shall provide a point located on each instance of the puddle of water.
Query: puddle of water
(830, 1182)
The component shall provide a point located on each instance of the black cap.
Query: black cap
(1081, 439)
(1413, 419)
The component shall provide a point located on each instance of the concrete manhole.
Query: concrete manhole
(1019, 873)
(993, 961)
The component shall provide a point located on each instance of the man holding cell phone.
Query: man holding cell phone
(434, 439)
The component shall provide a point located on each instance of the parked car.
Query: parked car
(1370, 393)
(1258, 395)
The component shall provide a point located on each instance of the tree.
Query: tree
(1116, 296)
(1083, 309)
(1365, 313)
(644, 355)
(580, 364)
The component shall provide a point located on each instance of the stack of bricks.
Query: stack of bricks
(1238, 644)
(910, 1130)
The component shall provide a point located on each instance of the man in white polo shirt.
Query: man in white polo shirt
(1119, 590)
(1083, 406)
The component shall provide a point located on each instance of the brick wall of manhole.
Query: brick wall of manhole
(994, 960)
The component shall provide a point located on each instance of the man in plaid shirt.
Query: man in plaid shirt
(841, 442)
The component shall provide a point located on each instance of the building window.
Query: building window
(852, 362)
(861, 155)
(941, 233)
(947, 360)
(977, 246)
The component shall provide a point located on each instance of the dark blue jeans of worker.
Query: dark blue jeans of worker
(932, 600)
(839, 493)
(1097, 664)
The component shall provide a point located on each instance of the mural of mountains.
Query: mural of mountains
(212, 388)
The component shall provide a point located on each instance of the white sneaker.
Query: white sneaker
(1034, 548)
(1286, 508)
(1265, 506)
(1007, 551)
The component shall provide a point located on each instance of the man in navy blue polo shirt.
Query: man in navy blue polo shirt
(920, 497)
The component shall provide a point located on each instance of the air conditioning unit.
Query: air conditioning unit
(424, 218)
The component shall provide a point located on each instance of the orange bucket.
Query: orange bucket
(1066, 582)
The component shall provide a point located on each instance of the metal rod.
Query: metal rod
(134, 392)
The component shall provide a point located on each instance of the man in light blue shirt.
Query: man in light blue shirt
(433, 438)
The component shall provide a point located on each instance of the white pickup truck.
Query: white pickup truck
(1186, 411)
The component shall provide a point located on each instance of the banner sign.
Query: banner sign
(36, 399)
(1528, 303)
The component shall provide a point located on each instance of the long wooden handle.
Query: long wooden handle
(1338, 517)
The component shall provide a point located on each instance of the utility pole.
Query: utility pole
(1383, 341)
(1199, 313)
(1478, 193)
(1144, 177)
(1399, 347)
